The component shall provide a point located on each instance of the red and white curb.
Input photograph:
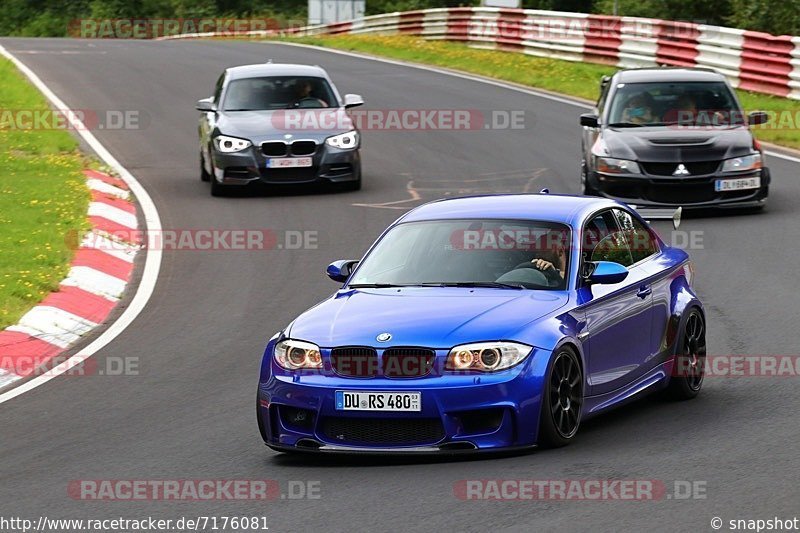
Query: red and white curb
(99, 273)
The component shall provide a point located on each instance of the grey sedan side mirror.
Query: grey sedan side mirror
(353, 100)
(206, 104)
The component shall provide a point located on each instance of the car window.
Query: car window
(639, 238)
(672, 103)
(531, 254)
(594, 231)
(601, 100)
(218, 88)
(602, 240)
(278, 92)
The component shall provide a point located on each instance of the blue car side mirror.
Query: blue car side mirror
(341, 270)
(607, 273)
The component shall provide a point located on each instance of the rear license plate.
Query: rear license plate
(737, 184)
(378, 401)
(293, 162)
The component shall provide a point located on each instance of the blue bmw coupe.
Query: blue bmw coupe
(486, 323)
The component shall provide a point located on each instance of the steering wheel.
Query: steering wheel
(314, 102)
(527, 264)
(525, 273)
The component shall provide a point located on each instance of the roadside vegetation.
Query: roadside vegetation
(43, 199)
(52, 17)
(566, 77)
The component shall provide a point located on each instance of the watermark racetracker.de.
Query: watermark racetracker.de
(579, 489)
(193, 490)
(72, 119)
(200, 240)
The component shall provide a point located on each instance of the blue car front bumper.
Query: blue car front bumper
(459, 413)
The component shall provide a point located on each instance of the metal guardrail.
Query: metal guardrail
(751, 60)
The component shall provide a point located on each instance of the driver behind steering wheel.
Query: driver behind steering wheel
(303, 96)
(551, 263)
(548, 264)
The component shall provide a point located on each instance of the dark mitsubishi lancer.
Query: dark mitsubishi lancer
(666, 137)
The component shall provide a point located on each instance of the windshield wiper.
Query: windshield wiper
(378, 285)
(487, 284)
(626, 125)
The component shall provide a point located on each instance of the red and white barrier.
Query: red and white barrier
(95, 283)
(753, 61)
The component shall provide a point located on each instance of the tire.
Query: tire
(217, 189)
(352, 185)
(562, 401)
(204, 176)
(689, 369)
(586, 189)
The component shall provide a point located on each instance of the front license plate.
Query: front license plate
(293, 162)
(378, 401)
(737, 184)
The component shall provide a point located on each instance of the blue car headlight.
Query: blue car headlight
(487, 356)
(294, 355)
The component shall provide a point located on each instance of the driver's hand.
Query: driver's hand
(542, 265)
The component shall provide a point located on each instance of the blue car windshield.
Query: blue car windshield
(491, 253)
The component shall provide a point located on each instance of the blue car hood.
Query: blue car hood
(431, 317)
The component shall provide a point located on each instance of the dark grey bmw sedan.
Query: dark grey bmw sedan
(278, 124)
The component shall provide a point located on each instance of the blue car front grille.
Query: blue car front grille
(407, 362)
(382, 431)
(396, 362)
(355, 361)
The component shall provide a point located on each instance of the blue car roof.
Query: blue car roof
(566, 209)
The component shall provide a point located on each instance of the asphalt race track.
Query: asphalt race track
(189, 414)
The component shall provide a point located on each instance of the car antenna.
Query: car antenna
(545, 191)
(269, 61)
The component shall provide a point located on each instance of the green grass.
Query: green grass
(43, 200)
(566, 77)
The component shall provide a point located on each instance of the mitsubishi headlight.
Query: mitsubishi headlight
(293, 355)
(610, 165)
(748, 162)
(229, 145)
(344, 141)
(487, 356)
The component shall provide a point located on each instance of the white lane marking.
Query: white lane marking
(96, 282)
(152, 221)
(114, 214)
(57, 326)
(415, 196)
(102, 186)
(6, 377)
(479, 79)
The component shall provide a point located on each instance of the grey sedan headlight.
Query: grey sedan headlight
(748, 162)
(344, 141)
(610, 165)
(230, 145)
(487, 356)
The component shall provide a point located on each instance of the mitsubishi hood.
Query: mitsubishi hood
(674, 145)
(430, 317)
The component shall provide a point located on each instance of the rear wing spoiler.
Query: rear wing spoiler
(657, 213)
